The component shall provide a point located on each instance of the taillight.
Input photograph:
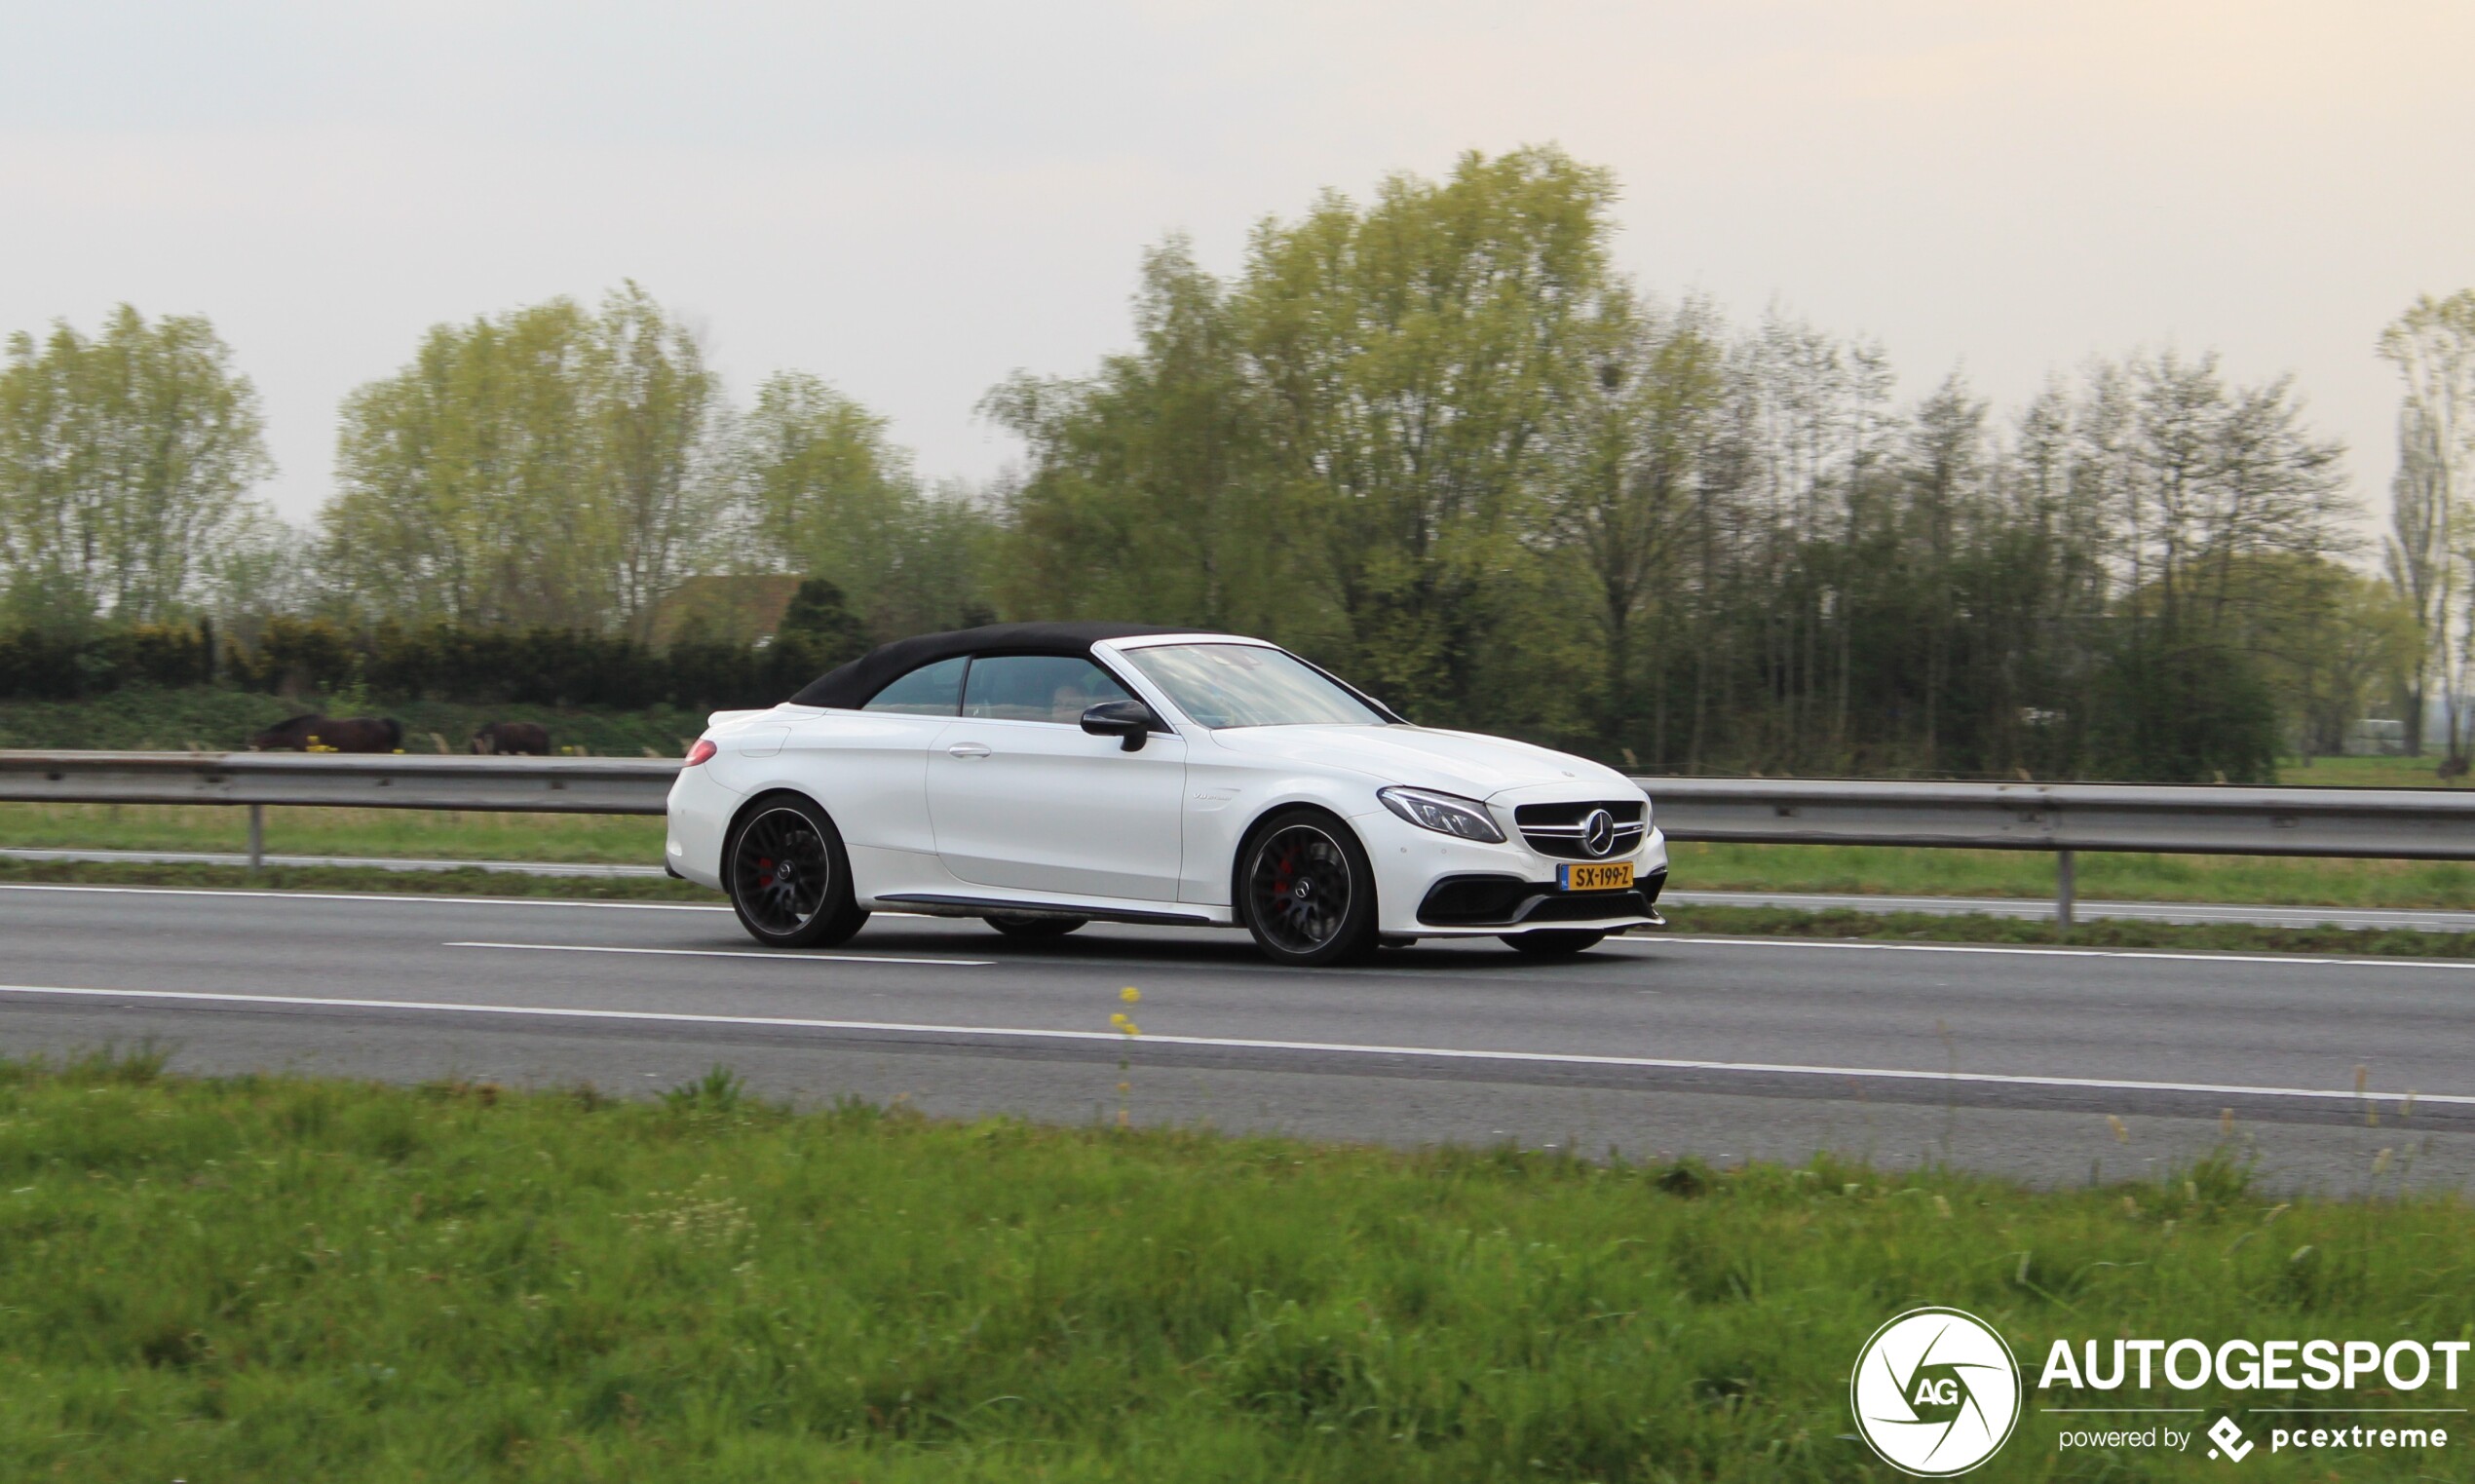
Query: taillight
(703, 749)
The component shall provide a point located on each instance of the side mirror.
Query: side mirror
(1128, 720)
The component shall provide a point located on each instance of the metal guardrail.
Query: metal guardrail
(2395, 824)
(2391, 823)
(569, 786)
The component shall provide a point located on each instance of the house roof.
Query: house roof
(727, 606)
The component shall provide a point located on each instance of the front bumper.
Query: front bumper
(1495, 902)
(1430, 884)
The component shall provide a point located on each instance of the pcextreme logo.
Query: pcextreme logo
(1935, 1392)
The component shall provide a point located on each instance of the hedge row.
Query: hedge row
(41, 666)
(541, 667)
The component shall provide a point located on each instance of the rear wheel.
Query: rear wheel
(788, 877)
(1033, 927)
(1549, 943)
(1307, 891)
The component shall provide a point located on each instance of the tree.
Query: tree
(2423, 568)
(1631, 445)
(823, 486)
(2432, 345)
(126, 461)
(2217, 495)
(1150, 489)
(656, 409)
(1434, 439)
(822, 489)
(1411, 355)
(817, 618)
(546, 467)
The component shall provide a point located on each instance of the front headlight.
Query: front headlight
(1443, 813)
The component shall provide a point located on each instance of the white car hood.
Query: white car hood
(1464, 763)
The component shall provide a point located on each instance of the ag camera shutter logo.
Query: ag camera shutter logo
(1935, 1391)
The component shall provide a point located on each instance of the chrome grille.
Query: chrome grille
(1556, 829)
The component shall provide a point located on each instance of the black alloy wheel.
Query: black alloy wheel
(1033, 927)
(1307, 891)
(788, 878)
(1552, 943)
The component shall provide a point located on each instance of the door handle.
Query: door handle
(968, 749)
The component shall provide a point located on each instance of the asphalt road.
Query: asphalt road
(2054, 1065)
(2420, 919)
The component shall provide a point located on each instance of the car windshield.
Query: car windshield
(1247, 685)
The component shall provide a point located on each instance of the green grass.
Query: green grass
(278, 1280)
(2102, 876)
(626, 839)
(1977, 927)
(468, 881)
(2363, 773)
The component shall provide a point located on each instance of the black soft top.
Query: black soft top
(852, 686)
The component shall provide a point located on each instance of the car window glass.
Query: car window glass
(1056, 688)
(931, 690)
(1247, 685)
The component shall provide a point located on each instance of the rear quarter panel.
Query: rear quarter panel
(868, 769)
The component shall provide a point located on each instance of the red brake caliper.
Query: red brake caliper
(765, 863)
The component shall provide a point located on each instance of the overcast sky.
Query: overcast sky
(914, 199)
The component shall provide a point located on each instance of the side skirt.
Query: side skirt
(938, 904)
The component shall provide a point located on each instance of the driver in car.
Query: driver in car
(1070, 701)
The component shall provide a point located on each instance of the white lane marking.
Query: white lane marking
(417, 896)
(741, 953)
(2287, 960)
(1243, 1044)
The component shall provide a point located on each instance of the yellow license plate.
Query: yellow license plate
(1614, 876)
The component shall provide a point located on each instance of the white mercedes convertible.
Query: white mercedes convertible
(1044, 776)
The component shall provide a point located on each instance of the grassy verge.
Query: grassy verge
(2363, 773)
(1974, 928)
(2263, 880)
(473, 881)
(277, 1280)
(626, 839)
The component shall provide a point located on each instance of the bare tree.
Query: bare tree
(2421, 568)
(2432, 344)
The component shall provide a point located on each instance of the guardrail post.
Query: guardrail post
(2065, 887)
(258, 836)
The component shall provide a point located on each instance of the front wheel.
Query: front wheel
(789, 876)
(1307, 891)
(1547, 943)
(1033, 927)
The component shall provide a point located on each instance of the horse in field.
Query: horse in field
(512, 738)
(334, 734)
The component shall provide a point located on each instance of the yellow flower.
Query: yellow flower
(1124, 1024)
(1130, 995)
